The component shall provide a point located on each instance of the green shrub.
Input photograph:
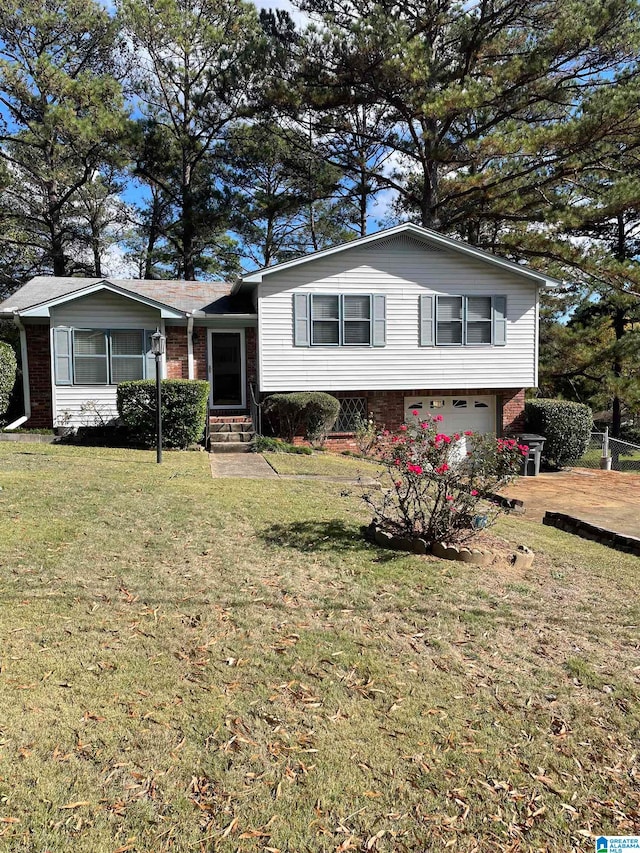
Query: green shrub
(307, 413)
(8, 368)
(265, 444)
(184, 410)
(565, 425)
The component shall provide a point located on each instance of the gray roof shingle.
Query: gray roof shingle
(211, 297)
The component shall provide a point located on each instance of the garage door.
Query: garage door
(458, 413)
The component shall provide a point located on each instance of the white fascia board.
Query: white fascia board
(43, 309)
(425, 234)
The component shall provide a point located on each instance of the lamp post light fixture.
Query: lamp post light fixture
(158, 342)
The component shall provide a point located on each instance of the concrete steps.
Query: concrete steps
(230, 433)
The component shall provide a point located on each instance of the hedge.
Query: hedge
(565, 425)
(8, 368)
(184, 410)
(310, 413)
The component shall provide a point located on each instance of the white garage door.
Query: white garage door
(458, 413)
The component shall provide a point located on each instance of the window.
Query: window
(90, 357)
(127, 356)
(99, 356)
(325, 320)
(462, 320)
(357, 320)
(332, 320)
(449, 323)
(353, 410)
(459, 404)
(478, 319)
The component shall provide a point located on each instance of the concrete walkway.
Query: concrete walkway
(608, 499)
(251, 466)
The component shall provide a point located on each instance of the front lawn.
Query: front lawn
(193, 664)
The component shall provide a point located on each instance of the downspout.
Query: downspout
(190, 366)
(25, 375)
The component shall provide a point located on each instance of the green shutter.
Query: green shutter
(499, 321)
(301, 319)
(427, 320)
(379, 306)
(63, 367)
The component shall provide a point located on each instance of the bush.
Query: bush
(184, 410)
(8, 368)
(432, 485)
(307, 413)
(264, 444)
(565, 425)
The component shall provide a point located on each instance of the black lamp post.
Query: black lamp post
(158, 349)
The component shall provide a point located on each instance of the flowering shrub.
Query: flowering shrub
(433, 482)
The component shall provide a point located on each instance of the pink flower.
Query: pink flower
(474, 493)
(438, 418)
(415, 413)
(449, 498)
(468, 432)
(403, 428)
(397, 484)
(415, 469)
(424, 425)
(456, 435)
(385, 432)
(442, 469)
(396, 462)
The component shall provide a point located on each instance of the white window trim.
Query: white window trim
(463, 321)
(341, 320)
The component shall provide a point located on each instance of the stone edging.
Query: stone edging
(522, 558)
(570, 524)
(32, 437)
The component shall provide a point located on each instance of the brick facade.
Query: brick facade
(178, 356)
(39, 364)
(387, 408)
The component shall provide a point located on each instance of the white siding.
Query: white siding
(96, 311)
(402, 269)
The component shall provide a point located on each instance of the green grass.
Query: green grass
(629, 462)
(321, 464)
(193, 664)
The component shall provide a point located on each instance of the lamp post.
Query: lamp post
(158, 349)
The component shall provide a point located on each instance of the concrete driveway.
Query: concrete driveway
(606, 498)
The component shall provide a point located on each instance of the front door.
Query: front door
(227, 371)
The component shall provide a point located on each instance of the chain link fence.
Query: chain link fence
(625, 456)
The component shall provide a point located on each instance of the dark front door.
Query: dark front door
(227, 374)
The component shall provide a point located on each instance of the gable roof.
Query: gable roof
(174, 299)
(425, 235)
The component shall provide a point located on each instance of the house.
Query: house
(398, 321)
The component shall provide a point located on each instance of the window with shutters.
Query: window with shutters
(349, 320)
(99, 356)
(463, 321)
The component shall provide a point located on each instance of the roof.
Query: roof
(426, 235)
(209, 298)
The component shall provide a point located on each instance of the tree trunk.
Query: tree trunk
(188, 229)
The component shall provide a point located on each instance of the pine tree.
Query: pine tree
(62, 116)
(197, 73)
